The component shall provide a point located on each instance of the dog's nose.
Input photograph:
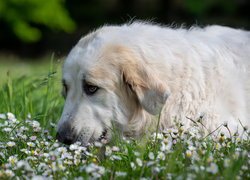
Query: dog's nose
(64, 138)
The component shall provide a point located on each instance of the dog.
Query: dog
(128, 74)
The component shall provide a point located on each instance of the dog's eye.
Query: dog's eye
(90, 89)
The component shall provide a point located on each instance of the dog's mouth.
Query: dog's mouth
(104, 136)
(84, 140)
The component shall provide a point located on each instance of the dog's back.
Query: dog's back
(206, 69)
(236, 54)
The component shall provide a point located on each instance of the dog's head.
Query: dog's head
(105, 83)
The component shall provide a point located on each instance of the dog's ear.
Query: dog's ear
(148, 88)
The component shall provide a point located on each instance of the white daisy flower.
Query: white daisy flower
(108, 151)
(115, 149)
(2, 116)
(96, 175)
(73, 147)
(11, 144)
(189, 154)
(213, 168)
(9, 173)
(161, 156)
(11, 116)
(62, 149)
(120, 174)
(139, 162)
(35, 124)
(90, 168)
(115, 157)
(24, 164)
(150, 163)
(98, 144)
(101, 170)
(7, 129)
(32, 138)
(31, 144)
(158, 136)
(132, 165)
(12, 160)
(151, 156)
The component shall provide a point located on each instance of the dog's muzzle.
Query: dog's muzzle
(65, 139)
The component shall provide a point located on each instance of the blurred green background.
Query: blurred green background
(31, 29)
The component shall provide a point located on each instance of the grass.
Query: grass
(30, 106)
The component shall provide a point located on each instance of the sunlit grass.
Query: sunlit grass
(28, 147)
(32, 88)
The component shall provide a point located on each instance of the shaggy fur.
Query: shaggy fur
(143, 69)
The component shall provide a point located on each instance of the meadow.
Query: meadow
(31, 105)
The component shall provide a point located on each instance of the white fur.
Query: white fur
(143, 69)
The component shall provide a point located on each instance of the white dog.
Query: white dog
(127, 74)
